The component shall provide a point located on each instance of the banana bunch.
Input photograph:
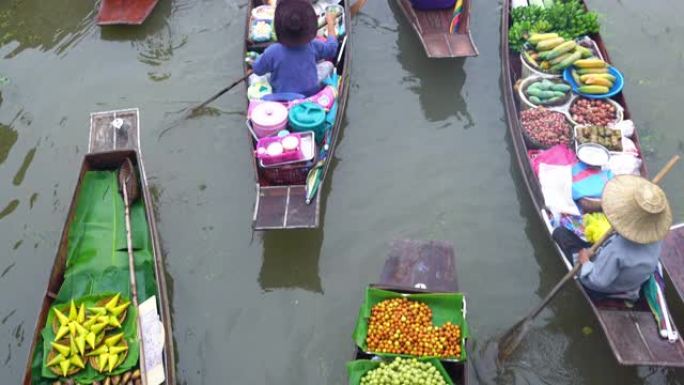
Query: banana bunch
(79, 336)
(592, 76)
(552, 53)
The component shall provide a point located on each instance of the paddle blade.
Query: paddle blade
(129, 180)
(511, 340)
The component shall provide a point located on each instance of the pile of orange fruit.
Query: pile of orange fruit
(402, 326)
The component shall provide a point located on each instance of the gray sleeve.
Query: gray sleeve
(602, 272)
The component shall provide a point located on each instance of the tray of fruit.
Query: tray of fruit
(605, 136)
(594, 78)
(550, 54)
(390, 371)
(90, 338)
(395, 323)
(535, 91)
(600, 112)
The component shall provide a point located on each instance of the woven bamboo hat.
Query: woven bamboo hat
(636, 208)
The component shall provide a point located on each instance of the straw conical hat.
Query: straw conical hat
(636, 208)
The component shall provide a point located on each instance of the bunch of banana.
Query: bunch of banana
(592, 76)
(81, 332)
(552, 53)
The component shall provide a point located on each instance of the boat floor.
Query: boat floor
(284, 207)
(126, 12)
(432, 28)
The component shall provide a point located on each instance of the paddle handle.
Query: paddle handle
(134, 286)
(592, 250)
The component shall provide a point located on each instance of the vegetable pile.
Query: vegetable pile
(546, 127)
(592, 77)
(608, 138)
(567, 18)
(404, 372)
(593, 111)
(547, 92)
(552, 53)
(402, 326)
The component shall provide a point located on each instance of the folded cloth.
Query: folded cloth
(556, 186)
(588, 181)
(559, 155)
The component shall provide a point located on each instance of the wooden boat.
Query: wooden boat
(631, 332)
(432, 28)
(283, 205)
(124, 12)
(107, 149)
(422, 267)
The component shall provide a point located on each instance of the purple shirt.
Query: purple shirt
(294, 69)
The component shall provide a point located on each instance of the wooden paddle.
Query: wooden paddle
(510, 341)
(128, 186)
(356, 7)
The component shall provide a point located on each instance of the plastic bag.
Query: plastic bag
(595, 225)
(556, 186)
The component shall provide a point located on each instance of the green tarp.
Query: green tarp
(97, 262)
(445, 307)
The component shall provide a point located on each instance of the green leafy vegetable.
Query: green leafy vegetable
(567, 18)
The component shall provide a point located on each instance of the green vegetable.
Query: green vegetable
(534, 92)
(561, 87)
(568, 18)
(547, 94)
(535, 100)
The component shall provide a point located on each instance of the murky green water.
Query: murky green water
(424, 154)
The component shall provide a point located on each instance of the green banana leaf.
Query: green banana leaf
(445, 307)
(97, 261)
(88, 375)
(358, 368)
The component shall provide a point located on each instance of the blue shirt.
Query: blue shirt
(621, 267)
(293, 69)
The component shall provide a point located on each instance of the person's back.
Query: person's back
(621, 267)
(292, 61)
(293, 69)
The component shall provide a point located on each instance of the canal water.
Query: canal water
(424, 153)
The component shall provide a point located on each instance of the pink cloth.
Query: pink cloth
(559, 155)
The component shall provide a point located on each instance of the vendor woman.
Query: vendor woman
(640, 214)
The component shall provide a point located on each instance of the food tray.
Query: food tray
(307, 147)
(526, 103)
(358, 368)
(533, 144)
(577, 143)
(619, 110)
(445, 307)
(529, 70)
(616, 89)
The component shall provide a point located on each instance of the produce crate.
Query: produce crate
(445, 307)
(358, 368)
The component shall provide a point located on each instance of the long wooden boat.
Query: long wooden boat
(108, 148)
(422, 267)
(283, 206)
(432, 28)
(631, 332)
(124, 12)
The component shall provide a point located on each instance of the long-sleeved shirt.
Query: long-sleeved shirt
(293, 69)
(621, 267)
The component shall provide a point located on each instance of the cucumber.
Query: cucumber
(567, 62)
(594, 90)
(553, 100)
(560, 58)
(547, 94)
(587, 71)
(534, 92)
(549, 43)
(537, 37)
(561, 87)
(586, 52)
(535, 100)
(561, 49)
